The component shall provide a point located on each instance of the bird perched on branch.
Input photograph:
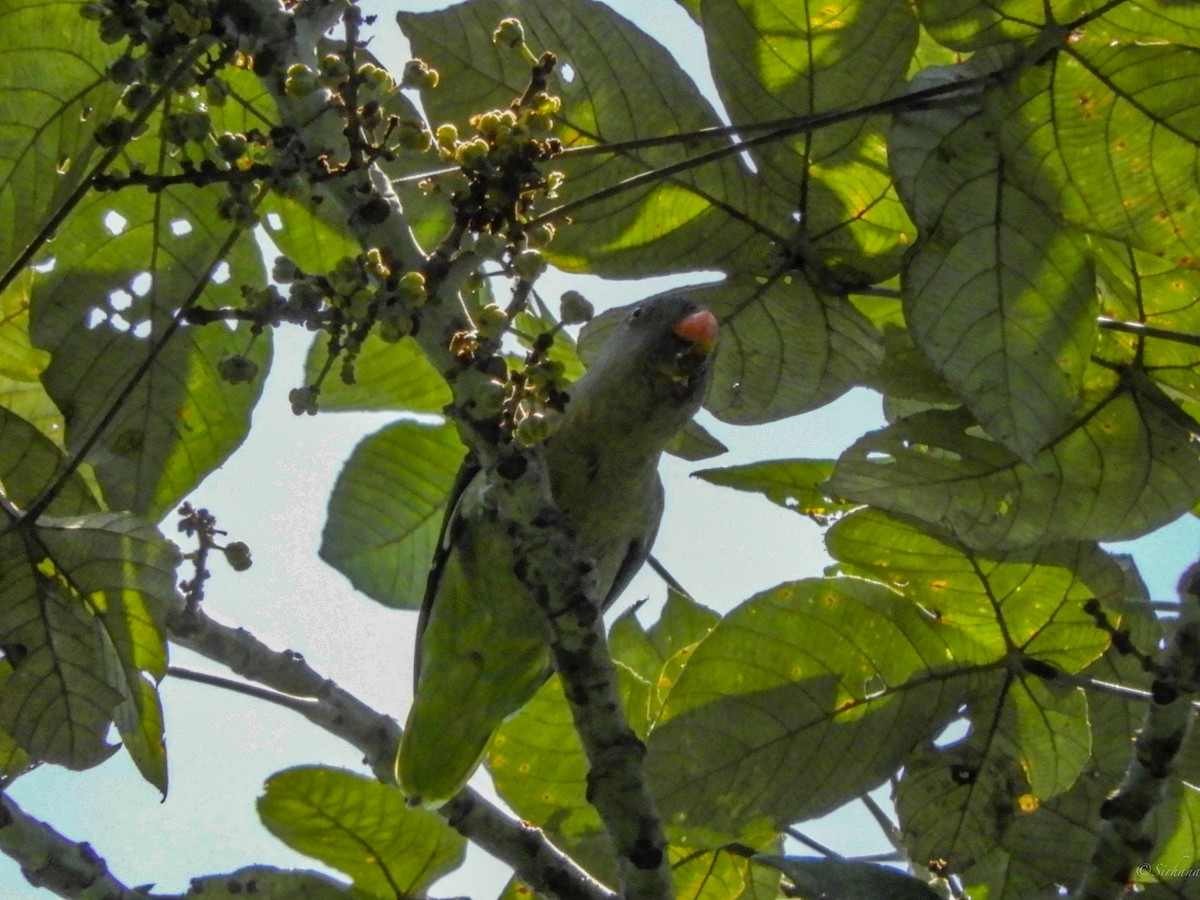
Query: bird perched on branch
(482, 646)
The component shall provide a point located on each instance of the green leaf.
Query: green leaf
(791, 483)
(998, 294)
(623, 86)
(31, 463)
(107, 310)
(658, 654)
(1141, 289)
(1124, 471)
(21, 363)
(773, 59)
(1028, 600)
(761, 731)
(386, 377)
(311, 234)
(266, 883)
(54, 91)
(383, 541)
(970, 25)
(360, 827)
(1122, 109)
(694, 442)
(845, 879)
(82, 621)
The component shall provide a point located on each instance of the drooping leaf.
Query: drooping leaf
(21, 363)
(383, 541)
(84, 601)
(999, 295)
(360, 827)
(658, 654)
(125, 263)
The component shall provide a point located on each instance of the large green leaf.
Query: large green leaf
(617, 85)
(1124, 471)
(998, 294)
(799, 700)
(1027, 600)
(83, 605)
(107, 306)
(54, 91)
(383, 540)
(1106, 133)
(360, 827)
(773, 60)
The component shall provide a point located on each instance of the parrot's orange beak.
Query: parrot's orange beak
(699, 329)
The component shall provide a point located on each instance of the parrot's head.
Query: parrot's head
(655, 363)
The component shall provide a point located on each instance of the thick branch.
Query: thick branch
(51, 861)
(564, 586)
(1126, 836)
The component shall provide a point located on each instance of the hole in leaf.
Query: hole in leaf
(45, 265)
(120, 300)
(95, 317)
(567, 71)
(64, 165)
(954, 732)
(141, 283)
(119, 322)
(180, 227)
(221, 273)
(274, 222)
(142, 329)
(115, 222)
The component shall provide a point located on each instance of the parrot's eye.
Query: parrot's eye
(637, 313)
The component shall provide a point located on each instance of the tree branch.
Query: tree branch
(1126, 835)
(563, 585)
(51, 861)
(535, 861)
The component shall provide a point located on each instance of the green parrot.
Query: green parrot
(482, 649)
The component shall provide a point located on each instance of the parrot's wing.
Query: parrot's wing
(639, 547)
(451, 523)
(483, 653)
